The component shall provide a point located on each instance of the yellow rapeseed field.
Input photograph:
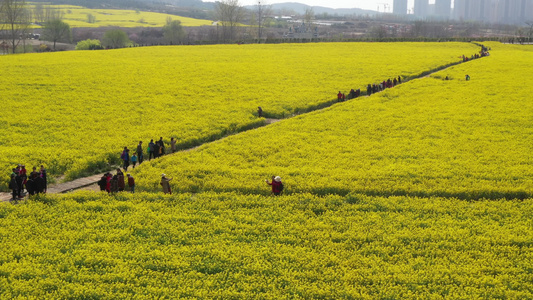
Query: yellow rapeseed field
(75, 111)
(230, 246)
(77, 16)
(427, 137)
(379, 191)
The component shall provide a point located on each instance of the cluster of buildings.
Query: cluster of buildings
(490, 11)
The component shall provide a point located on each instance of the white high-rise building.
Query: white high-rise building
(443, 9)
(399, 7)
(421, 8)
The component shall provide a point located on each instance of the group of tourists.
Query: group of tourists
(22, 183)
(116, 183)
(474, 56)
(482, 53)
(374, 88)
(353, 94)
(154, 150)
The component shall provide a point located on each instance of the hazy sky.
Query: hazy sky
(365, 4)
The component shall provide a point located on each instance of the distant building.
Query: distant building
(494, 11)
(443, 9)
(421, 8)
(399, 7)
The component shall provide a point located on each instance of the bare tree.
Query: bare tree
(38, 12)
(308, 17)
(229, 13)
(52, 13)
(16, 18)
(261, 13)
(530, 31)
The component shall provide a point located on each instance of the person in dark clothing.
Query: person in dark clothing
(14, 187)
(125, 156)
(30, 187)
(103, 182)
(161, 146)
(369, 89)
(156, 150)
(42, 174)
(20, 181)
(151, 149)
(34, 173)
(114, 184)
(394, 82)
(259, 112)
(140, 152)
(38, 184)
(24, 176)
(108, 182)
(399, 79)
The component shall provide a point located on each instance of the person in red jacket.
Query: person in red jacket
(108, 182)
(277, 185)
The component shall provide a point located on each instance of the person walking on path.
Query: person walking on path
(131, 183)
(14, 187)
(103, 182)
(277, 185)
(114, 184)
(151, 149)
(34, 173)
(38, 183)
(42, 173)
(108, 182)
(161, 146)
(24, 176)
(140, 152)
(155, 149)
(20, 185)
(121, 182)
(133, 159)
(126, 158)
(259, 112)
(165, 183)
(172, 145)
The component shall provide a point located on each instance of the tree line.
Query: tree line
(17, 19)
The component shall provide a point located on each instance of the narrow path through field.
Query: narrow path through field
(89, 182)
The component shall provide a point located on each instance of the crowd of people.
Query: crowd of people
(482, 53)
(378, 87)
(154, 150)
(22, 183)
(116, 183)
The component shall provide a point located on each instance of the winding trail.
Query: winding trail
(90, 181)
